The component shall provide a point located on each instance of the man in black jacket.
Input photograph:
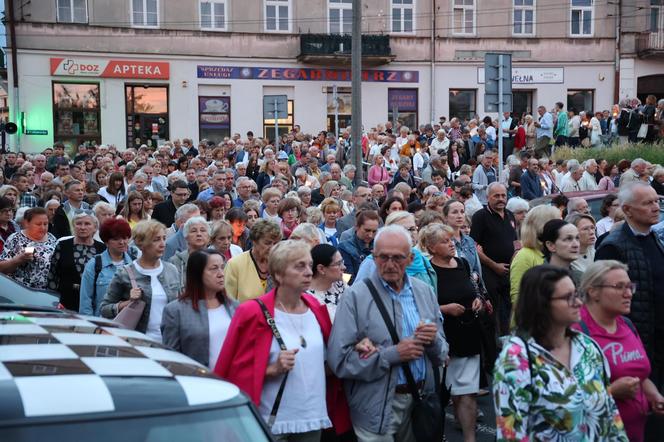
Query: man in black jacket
(164, 212)
(637, 246)
(74, 191)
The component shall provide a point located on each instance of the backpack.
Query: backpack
(94, 284)
(628, 322)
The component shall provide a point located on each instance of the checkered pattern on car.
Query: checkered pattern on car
(55, 363)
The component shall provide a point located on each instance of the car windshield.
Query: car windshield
(230, 424)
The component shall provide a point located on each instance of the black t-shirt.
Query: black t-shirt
(496, 234)
(454, 286)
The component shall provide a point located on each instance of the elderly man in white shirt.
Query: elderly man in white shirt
(588, 181)
(571, 182)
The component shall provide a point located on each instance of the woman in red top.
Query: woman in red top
(520, 138)
(252, 359)
(608, 294)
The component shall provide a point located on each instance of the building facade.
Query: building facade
(133, 72)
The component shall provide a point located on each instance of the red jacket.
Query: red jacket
(245, 355)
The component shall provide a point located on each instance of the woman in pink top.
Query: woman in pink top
(608, 294)
(608, 181)
(378, 173)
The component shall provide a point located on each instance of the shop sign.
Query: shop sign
(214, 112)
(531, 75)
(303, 74)
(36, 132)
(405, 100)
(109, 68)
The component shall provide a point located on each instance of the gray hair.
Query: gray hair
(140, 175)
(51, 202)
(431, 189)
(185, 210)
(490, 187)
(349, 168)
(394, 229)
(589, 162)
(102, 205)
(626, 192)
(638, 162)
(192, 221)
(573, 204)
(306, 232)
(300, 171)
(572, 162)
(303, 190)
(596, 272)
(517, 204)
(573, 167)
(85, 214)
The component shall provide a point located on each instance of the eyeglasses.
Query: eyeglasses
(632, 286)
(397, 259)
(571, 298)
(337, 263)
(412, 229)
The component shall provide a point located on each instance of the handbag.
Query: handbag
(643, 131)
(282, 347)
(427, 420)
(131, 314)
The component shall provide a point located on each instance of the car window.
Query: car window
(228, 424)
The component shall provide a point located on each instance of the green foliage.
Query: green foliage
(649, 152)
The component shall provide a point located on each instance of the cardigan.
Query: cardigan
(245, 354)
(241, 278)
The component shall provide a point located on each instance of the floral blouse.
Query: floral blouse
(553, 403)
(34, 273)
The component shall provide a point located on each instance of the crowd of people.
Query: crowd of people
(283, 274)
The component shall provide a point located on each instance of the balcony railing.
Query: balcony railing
(335, 49)
(651, 43)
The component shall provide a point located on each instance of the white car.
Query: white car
(69, 377)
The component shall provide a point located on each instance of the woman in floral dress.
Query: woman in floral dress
(550, 383)
(26, 256)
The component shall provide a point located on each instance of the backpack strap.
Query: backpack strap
(94, 284)
(584, 327)
(630, 325)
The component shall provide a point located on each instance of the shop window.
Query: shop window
(581, 100)
(72, 11)
(340, 16)
(464, 17)
(277, 15)
(76, 113)
(285, 124)
(402, 106)
(343, 112)
(402, 16)
(213, 15)
(145, 13)
(214, 118)
(147, 115)
(463, 103)
(581, 19)
(524, 17)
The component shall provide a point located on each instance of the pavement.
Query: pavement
(486, 426)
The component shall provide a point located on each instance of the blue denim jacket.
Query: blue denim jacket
(87, 306)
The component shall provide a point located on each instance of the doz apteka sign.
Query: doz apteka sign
(109, 68)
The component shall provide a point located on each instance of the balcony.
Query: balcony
(650, 44)
(335, 50)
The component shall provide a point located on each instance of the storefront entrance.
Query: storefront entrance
(147, 115)
(650, 85)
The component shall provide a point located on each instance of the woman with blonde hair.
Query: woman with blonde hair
(267, 172)
(308, 233)
(531, 254)
(221, 239)
(531, 132)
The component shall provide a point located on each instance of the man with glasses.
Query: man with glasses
(164, 212)
(531, 187)
(244, 187)
(375, 379)
(636, 245)
(361, 194)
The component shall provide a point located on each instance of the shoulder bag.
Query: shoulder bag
(131, 314)
(427, 420)
(282, 347)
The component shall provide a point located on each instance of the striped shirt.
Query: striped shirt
(410, 321)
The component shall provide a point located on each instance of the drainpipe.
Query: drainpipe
(15, 107)
(616, 81)
(433, 61)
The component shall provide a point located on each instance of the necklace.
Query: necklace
(298, 330)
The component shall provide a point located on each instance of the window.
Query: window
(76, 113)
(656, 15)
(145, 13)
(581, 20)
(277, 15)
(524, 17)
(463, 103)
(213, 15)
(285, 124)
(522, 102)
(72, 11)
(581, 100)
(341, 110)
(402, 106)
(340, 19)
(147, 115)
(402, 16)
(464, 17)
(214, 118)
